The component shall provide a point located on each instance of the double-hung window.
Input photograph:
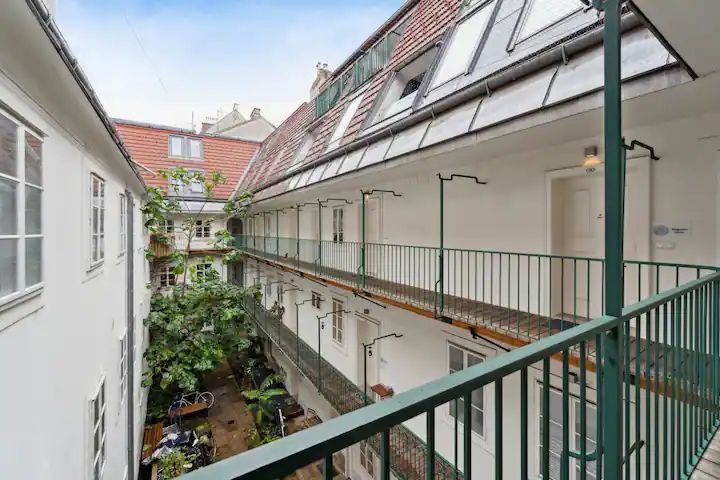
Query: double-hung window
(123, 366)
(338, 321)
(21, 188)
(338, 224)
(203, 270)
(202, 229)
(168, 227)
(367, 459)
(185, 147)
(167, 277)
(123, 222)
(98, 405)
(316, 298)
(556, 433)
(459, 359)
(97, 219)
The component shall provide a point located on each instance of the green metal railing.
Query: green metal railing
(527, 295)
(668, 390)
(407, 450)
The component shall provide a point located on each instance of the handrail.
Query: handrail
(282, 457)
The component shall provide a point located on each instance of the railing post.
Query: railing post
(362, 247)
(441, 266)
(612, 363)
(297, 235)
(319, 236)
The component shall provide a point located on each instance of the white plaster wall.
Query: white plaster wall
(55, 347)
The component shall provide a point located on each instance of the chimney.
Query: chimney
(255, 113)
(322, 76)
(206, 126)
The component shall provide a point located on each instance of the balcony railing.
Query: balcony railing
(407, 450)
(528, 296)
(660, 357)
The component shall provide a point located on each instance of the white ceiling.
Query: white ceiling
(690, 27)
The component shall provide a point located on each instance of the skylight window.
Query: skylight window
(544, 13)
(462, 46)
(344, 123)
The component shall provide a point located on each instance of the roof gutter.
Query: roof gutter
(551, 55)
(37, 7)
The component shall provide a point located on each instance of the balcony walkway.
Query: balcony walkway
(708, 468)
(407, 450)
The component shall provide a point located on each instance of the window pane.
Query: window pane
(33, 210)
(8, 147)
(8, 207)
(344, 122)
(195, 148)
(8, 267)
(478, 421)
(33, 261)
(456, 359)
(176, 144)
(544, 13)
(33, 160)
(462, 46)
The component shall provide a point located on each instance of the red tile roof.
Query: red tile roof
(428, 21)
(148, 146)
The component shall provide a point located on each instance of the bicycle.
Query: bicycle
(187, 399)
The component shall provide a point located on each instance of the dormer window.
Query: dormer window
(541, 14)
(463, 44)
(302, 152)
(190, 148)
(403, 86)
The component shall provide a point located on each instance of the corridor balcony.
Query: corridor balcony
(522, 296)
(669, 401)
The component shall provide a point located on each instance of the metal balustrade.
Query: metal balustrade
(528, 296)
(407, 450)
(666, 380)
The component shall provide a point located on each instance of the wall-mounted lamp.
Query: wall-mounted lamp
(592, 161)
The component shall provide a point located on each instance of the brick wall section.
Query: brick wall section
(429, 19)
(148, 146)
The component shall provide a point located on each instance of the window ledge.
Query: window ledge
(24, 304)
(93, 271)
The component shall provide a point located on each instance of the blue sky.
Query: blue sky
(162, 60)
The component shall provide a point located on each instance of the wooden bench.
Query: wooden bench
(193, 409)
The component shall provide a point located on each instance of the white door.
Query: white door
(581, 208)
(368, 330)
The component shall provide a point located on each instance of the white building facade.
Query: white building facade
(73, 276)
(459, 213)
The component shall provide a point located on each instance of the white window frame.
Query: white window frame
(123, 223)
(523, 35)
(123, 368)
(186, 147)
(97, 223)
(338, 224)
(342, 125)
(483, 8)
(98, 426)
(483, 394)
(316, 299)
(202, 229)
(202, 272)
(21, 236)
(367, 459)
(167, 277)
(168, 227)
(575, 401)
(338, 321)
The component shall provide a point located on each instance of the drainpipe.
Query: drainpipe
(130, 313)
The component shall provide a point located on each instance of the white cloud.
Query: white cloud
(160, 61)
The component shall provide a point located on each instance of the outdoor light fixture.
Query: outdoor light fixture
(592, 161)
